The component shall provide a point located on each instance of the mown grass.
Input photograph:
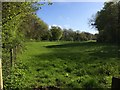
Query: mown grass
(68, 64)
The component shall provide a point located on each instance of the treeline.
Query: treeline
(70, 35)
(107, 22)
(36, 29)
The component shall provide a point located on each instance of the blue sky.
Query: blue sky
(73, 15)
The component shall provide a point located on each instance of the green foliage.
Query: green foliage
(107, 23)
(56, 33)
(70, 35)
(34, 28)
(12, 16)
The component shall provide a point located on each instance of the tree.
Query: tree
(13, 14)
(34, 27)
(68, 35)
(56, 33)
(77, 36)
(83, 37)
(106, 22)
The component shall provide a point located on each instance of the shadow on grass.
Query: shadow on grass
(106, 52)
(75, 44)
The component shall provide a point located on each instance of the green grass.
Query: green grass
(68, 64)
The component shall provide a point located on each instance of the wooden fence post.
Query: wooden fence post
(1, 79)
(115, 83)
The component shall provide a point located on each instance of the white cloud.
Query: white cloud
(55, 25)
(67, 26)
(49, 26)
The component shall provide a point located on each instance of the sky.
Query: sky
(74, 15)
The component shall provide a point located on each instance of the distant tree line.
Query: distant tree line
(107, 22)
(55, 33)
(36, 29)
(70, 35)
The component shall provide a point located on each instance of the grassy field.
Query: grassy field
(68, 65)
